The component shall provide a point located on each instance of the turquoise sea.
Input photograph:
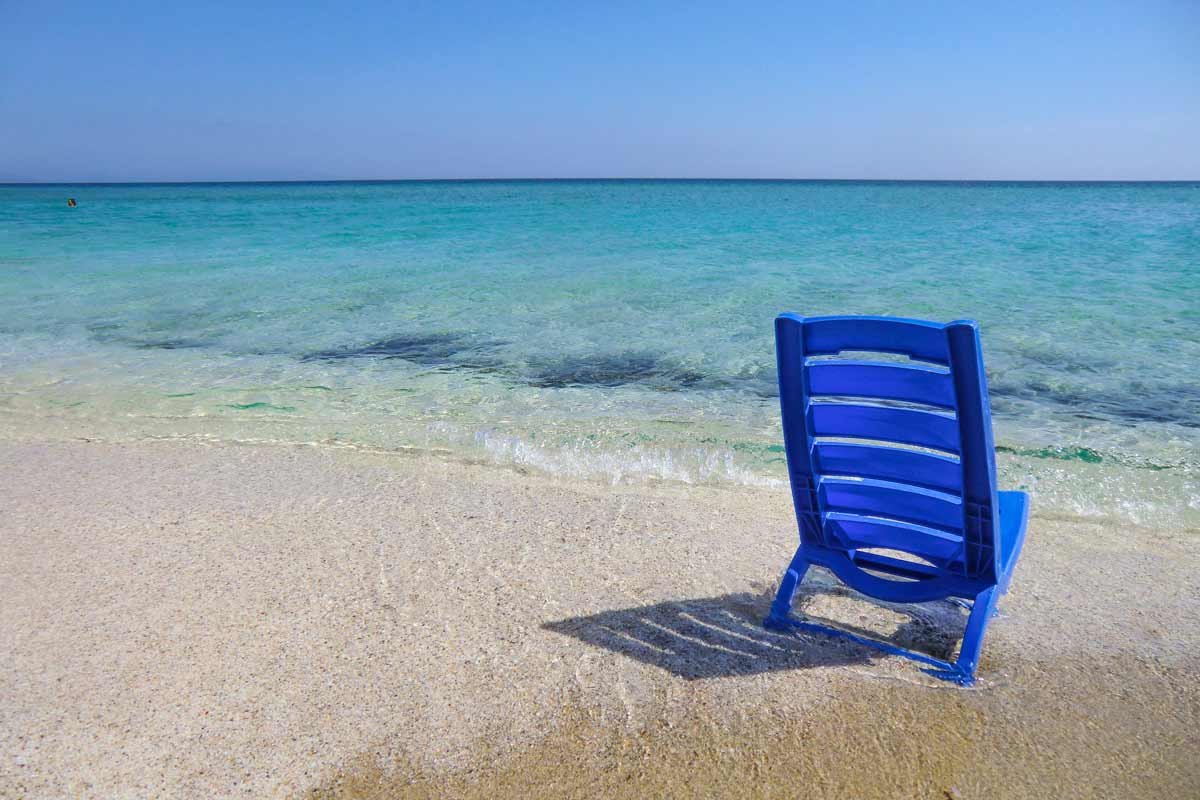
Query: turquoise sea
(612, 330)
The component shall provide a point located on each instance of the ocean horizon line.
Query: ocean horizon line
(376, 181)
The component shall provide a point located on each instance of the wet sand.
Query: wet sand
(181, 620)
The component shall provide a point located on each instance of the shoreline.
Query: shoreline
(1064, 485)
(192, 619)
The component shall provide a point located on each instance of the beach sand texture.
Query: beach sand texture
(181, 620)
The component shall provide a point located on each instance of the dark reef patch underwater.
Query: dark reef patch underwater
(1137, 401)
(467, 351)
(614, 369)
(461, 350)
(169, 344)
(159, 336)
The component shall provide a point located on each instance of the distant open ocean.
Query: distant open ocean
(614, 330)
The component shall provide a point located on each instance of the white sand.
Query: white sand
(187, 621)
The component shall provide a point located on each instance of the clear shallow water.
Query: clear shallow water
(619, 330)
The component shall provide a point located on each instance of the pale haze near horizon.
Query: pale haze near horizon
(145, 92)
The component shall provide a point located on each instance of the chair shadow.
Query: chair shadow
(723, 636)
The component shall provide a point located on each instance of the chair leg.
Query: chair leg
(972, 643)
(782, 606)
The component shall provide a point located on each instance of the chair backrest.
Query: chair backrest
(889, 438)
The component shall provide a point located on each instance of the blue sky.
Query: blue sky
(151, 91)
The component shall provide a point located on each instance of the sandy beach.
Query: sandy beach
(182, 620)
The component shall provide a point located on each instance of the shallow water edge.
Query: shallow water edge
(1069, 484)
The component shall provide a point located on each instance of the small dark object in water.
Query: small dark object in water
(71, 202)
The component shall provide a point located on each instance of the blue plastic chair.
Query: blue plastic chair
(895, 455)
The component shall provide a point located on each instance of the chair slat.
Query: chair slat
(855, 531)
(910, 382)
(903, 425)
(893, 500)
(895, 566)
(889, 464)
(925, 341)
